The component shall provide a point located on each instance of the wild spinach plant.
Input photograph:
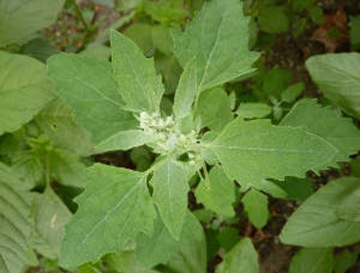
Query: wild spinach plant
(120, 105)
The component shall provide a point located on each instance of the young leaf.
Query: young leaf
(312, 260)
(88, 86)
(322, 220)
(162, 245)
(170, 182)
(328, 124)
(139, 85)
(24, 90)
(186, 91)
(256, 207)
(345, 260)
(337, 76)
(113, 209)
(251, 151)
(50, 217)
(251, 110)
(19, 19)
(209, 195)
(218, 38)
(241, 259)
(15, 225)
(123, 140)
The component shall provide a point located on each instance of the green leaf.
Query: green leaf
(209, 195)
(56, 120)
(19, 19)
(337, 76)
(113, 209)
(139, 85)
(292, 92)
(354, 31)
(170, 182)
(256, 207)
(276, 81)
(50, 217)
(87, 85)
(24, 90)
(192, 255)
(186, 91)
(140, 34)
(251, 151)
(126, 262)
(67, 168)
(123, 140)
(162, 245)
(273, 19)
(218, 38)
(297, 189)
(320, 222)
(251, 110)
(345, 260)
(214, 109)
(162, 39)
(328, 124)
(241, 259)
(312, 260)
(15, 225)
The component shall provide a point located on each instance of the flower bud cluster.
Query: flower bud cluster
(165, 133)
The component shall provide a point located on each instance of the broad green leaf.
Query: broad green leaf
(256, 207)
(191, 258)
(123, 140)
(337, 76)
(213, 109)
(218, 38)
(15, 225)
(162, 39)
(50, 216)
(170, 182)
(320, 220)
(19, 19)
(24, 90)
(251, 110)
(297, 189)
(251, 151)
(113, 209)
(186, 91)
(312, 260)
(162, 245)
(292, 92)
(167, 11)
(276, 81)
(273, 19)
(87, 85)
(241, 259)
(345, 260)
(327, 124)
(66, 168)
(57, 121)
(228, 237)
(140, 34)
(126, 262)
(207, 192)
(139, 85)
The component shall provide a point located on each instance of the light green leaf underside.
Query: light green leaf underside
(186, 91)
(312, 260)
(321, 222)
(162, 245)
(251, 151)
(328, 124)
(337, 76)
(139, 85)
(170, 182)
(19, 19)
(209, 195)
(57, 121)
(256, 207)
(50, 217)
(88, 86)
(113, 209)
(24, 90)
(123, 140)
(15, 225)
(241, 259)
(218, 38)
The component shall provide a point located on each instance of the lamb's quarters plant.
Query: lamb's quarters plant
(128, 212)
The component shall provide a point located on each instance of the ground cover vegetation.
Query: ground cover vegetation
(179, 136)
